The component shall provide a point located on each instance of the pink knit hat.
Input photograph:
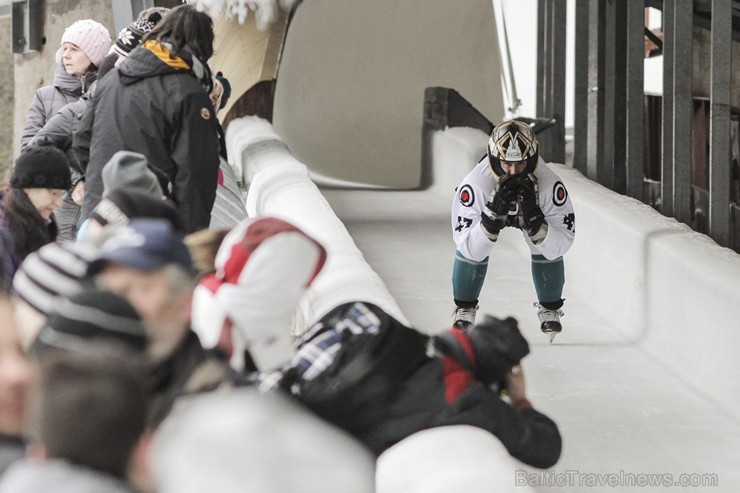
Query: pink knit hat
(91, 37)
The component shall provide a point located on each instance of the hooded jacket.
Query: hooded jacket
(48, 100)
(58, 476)
(155, 105)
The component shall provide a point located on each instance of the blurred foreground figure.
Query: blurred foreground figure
(244, 441)
(89, 413)
(15, 373)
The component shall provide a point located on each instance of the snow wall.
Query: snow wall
(669, 289)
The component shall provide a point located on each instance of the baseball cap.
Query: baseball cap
(145, 245)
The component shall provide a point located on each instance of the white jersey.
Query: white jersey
(476, 190)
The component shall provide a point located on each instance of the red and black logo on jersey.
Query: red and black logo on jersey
(559, 194)
(467, 197)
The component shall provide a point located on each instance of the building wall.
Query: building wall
(36, 69)
(6, 95)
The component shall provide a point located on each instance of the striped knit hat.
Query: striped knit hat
(88, 317)
(55, 270)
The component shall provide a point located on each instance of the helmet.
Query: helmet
(512, 141)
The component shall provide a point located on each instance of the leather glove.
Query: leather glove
(505, 194)
(531, 217)
(495, 213)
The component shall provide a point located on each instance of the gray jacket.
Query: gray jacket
(48, 100)
(58, 476)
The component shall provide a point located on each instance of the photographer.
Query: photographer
(381, 381)
(512, 187)
(358, 367)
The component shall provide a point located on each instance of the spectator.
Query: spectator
(56, 270)
(15, 373)
(84, 44)
(148, 263)
(89, 317)
(157, 104)
(121, 205)
(128, 169)
(89, 417)
(131, 171)
(77, 116)
(40, 177)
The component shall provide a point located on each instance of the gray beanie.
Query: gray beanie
(131, 170)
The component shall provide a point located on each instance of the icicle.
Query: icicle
(265, 11)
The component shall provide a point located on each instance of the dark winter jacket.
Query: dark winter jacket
(377, 381)
(58, 476)
(156, 106)
(48, 100)
(189, 370)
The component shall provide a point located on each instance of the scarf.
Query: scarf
(185, 60)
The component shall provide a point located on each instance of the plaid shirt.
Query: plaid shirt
(318, 346)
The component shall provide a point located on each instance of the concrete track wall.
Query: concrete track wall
(350, 88)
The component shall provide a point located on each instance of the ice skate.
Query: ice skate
(464, 318)
(549, 321)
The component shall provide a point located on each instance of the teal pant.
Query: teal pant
(468, 276)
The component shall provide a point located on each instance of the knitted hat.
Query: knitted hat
(127, 169)
(130, 36)
(55, 270)
(42, 166)
(124, 204)
(90, 316)
(91, 37)
(144, 245)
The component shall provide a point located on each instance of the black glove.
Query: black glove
(504, 195)
(531, 217)
(496, 211)
(498, 346)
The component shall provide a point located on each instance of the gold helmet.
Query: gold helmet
(512, 141)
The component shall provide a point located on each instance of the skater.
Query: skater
(512, 187)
